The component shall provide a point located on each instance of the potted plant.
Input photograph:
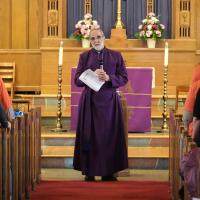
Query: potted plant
(83, 28)
(150, 30)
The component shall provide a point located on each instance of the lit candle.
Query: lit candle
(60, 58)
(166, 54)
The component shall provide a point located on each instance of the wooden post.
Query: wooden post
(14, 158)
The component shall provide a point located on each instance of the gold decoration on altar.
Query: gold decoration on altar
(52, 18)
(150, 6)
(185, 18)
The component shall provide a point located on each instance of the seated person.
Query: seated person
(196, 120)
(196, 74)
(6, 101)
(3, 119)
(189, 106)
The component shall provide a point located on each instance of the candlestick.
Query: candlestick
(60, 58)
(59, 95)
(166, 54)
(165, 97)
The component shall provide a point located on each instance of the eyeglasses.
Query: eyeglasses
(99, 37)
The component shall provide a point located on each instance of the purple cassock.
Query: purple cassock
(100, 147)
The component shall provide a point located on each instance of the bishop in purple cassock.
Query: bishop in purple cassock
(100, 146)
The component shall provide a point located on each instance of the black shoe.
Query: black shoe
(109, 178)
(89, 178)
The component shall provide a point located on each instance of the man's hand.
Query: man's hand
(102, 75)
(9, 125)
(10, 114)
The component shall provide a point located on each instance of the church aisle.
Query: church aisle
(60, 184)
(120, 190)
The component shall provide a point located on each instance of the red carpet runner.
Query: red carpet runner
(121, 190)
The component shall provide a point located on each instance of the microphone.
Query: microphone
(100, 60)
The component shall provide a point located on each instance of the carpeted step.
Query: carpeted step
(134, 139)
(139, 158)
(133, 152)
(145, 150)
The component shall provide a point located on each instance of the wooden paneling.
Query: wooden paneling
(34, 25)
(197, 24)
(28, 68)
(193, 18)
(139, 56)
(19, 24)
(5, 23)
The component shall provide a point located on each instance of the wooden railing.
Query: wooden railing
(179, 144)
(20, 153)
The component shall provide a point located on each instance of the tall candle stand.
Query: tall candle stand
(59, 98)
(164, 114)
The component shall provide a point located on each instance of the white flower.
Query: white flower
(142, 33)
(149, 33)
(158, 33)
(162, 26)
(144, 21)
(87, 16)
(151, 14)
(150, 21)
(95, 22)
(96, 26)
(140, 27)
(149, 27)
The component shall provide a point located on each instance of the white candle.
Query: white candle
(166, 54)
(60, 57)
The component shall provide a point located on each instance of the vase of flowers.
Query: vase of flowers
(83, 28)
(150, 30)
(151, 43)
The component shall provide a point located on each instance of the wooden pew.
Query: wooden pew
(27, 118)
(179, 144)
(172, 149)
(14, 158)
(5, 164)
(20, 154)
(38, 144)
(33, 149)
(21, 158)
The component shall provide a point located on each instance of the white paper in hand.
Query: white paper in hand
(91, 80)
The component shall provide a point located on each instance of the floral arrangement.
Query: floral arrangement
(150, 28)
(83, 27)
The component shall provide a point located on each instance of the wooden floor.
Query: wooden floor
(130, 175)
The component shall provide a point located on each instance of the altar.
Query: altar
(137, 92)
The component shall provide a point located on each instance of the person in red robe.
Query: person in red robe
(196, 74)
(189, 103)
(100, 146)
(6, 101)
